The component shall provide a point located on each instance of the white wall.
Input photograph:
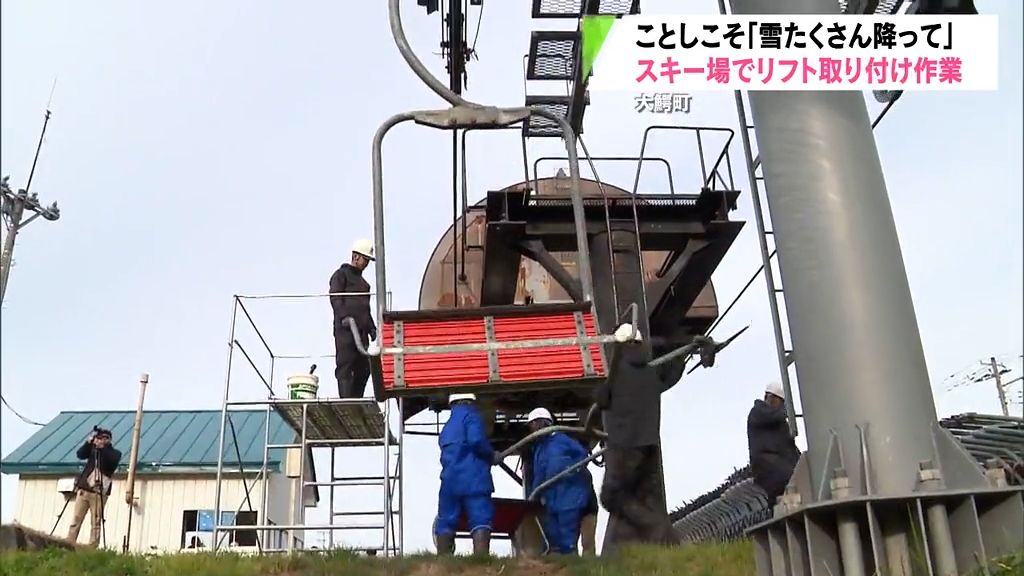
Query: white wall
(157, 521)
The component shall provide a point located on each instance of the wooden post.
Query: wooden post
(129, 492)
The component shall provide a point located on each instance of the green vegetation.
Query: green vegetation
(732, 559)
(721, 560)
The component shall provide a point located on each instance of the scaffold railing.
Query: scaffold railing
(321, 424)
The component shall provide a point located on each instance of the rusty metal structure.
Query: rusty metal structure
(522, 296)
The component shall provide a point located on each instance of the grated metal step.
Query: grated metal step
(552, 55)
(542, 127)
(574, 8)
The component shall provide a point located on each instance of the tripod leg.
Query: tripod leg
(61, 515)
(103, 516)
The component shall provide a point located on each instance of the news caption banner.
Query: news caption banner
(668, 57)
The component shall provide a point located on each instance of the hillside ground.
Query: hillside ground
(732, 559)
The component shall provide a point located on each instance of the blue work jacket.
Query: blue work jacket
(466, 454)
(551, 456)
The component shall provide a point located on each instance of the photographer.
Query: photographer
(93, 486)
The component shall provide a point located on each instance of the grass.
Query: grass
(731, 559)
(720, 560)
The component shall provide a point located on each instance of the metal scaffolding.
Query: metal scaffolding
(328, 424)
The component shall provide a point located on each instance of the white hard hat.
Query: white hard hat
(539, 414)
(363, 247)
(775, 388)
(456, 397)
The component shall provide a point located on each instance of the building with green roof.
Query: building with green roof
(176, 473)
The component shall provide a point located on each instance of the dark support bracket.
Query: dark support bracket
(533, 248)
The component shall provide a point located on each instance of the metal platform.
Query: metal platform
(330, 422)
(322, 427)
(575, 8)
(552, 55)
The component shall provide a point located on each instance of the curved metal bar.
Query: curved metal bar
(530, 438)
(706, 178)
(661, 159)
(478, 115)
(570, 470)
(358, 339)
(378, 208)
(395, 19)
(696, 344)
(591, 420)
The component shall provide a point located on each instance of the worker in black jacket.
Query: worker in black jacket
(353, 368)
(632, 489)
(773, 454)
(94, 483)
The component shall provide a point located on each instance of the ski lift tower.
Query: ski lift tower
(882, 489)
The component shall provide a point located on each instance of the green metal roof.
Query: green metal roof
(172, 441)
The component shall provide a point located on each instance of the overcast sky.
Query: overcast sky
(200, 150)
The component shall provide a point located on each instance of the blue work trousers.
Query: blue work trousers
(479, 510)
(562, 530)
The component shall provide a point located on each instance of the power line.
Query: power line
(990, 369)
(18, 414)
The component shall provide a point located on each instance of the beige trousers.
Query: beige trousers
(86, 502)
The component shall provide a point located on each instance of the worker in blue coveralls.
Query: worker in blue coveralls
(566, 501)
(466, 484)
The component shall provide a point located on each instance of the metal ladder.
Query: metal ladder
(390, 545)
(766, 239)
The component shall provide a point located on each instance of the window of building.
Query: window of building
(197, 529)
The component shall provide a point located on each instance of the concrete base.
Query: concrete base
(957, 521)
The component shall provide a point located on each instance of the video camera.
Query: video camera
(97, 431)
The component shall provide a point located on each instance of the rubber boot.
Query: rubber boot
(482, 542)
(445, 544)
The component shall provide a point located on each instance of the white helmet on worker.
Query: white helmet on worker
(775, 389)
(363, 247)
(452, 399)
(539, 414)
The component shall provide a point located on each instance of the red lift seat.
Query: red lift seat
(508, 515)
(399, 371)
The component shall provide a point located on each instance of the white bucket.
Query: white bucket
(303, 386)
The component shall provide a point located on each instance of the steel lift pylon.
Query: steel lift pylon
(882, 489)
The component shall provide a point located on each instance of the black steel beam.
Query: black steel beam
(501, 263)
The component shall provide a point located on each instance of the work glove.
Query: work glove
(496, 459)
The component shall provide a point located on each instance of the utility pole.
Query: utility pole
(13, 208)
(997, 375)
